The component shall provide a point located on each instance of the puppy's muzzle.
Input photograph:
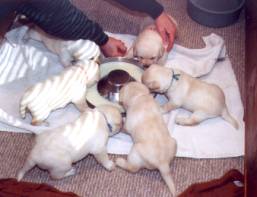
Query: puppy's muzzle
(145, 66)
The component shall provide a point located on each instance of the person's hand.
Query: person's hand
(113, 48)
(167, 29)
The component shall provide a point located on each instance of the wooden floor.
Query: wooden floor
(251, 100)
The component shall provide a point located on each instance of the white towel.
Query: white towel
(24, 62)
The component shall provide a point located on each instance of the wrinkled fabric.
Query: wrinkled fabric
(229, 185)
(23, 63)
(13, 188)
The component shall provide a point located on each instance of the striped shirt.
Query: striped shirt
(60, 18)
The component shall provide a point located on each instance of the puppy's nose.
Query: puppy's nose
(145, 66)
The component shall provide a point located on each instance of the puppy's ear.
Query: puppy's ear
(154, 85)
(130, 52)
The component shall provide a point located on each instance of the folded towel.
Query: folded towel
(24, 62)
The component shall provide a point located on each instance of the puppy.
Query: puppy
(148, 47)
(68, 51)
(58, 149)
(153, 147)
(57, 91)
(202, 99)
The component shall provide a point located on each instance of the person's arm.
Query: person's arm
(150, 7)
(61, 19)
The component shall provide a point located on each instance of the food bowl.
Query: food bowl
(110, 85)
(215, 13)
(114, 74)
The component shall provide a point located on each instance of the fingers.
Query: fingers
(114, 48)
(166, 26)
(122, 49)
(171, 38)
(164, 37)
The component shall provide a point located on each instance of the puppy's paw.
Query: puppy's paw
(164, 110)
(186, 121)
(121, 162)
(39, 123)
(110, 165)
(71, 172)
(181, 120)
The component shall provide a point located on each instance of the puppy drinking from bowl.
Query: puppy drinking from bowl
(204, 100)
(149, 48)
(57, 149)
(153, 147)
(57, 91)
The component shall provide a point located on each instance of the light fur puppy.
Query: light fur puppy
(57, 91)
(56, 150)
(68, 51)
(153, 147)
(204, 100)
(148, 47)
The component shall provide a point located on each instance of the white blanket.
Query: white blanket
(24, 62)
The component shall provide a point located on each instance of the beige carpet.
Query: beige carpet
(91, 178)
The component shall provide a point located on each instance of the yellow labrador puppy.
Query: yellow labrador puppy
(56, 150)
(57, 91)
(153, 147)
(68, 51)
(204, 100)
(148, 47)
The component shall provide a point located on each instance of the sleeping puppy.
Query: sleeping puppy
(57, 91)
(153, 147)
(56, 150)
(148, 47)
(68, 51)
(204, 100)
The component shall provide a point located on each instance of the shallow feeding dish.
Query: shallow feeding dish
(114, 73)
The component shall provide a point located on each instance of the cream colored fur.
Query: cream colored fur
(153, 147)
(68, 51)
(57, 91)
(148, 47)
(58, 149)
(204, 100)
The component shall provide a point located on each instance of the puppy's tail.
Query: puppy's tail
(165, 173)
(226, 116)
(29, 164)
